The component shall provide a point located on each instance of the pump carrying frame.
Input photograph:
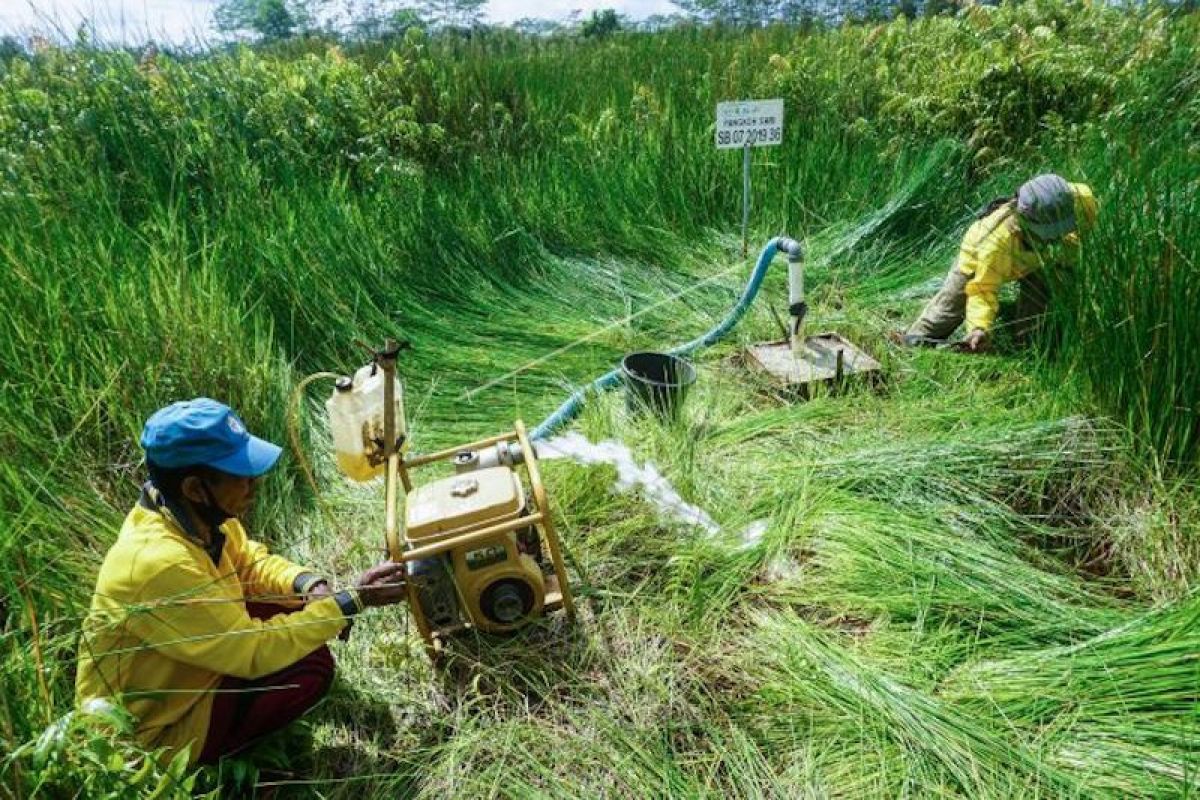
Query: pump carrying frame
(558, 587)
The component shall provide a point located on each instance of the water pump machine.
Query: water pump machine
(480, 544)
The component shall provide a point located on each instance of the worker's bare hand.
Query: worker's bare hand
(382, 585)
(976, 341)
(318, 591)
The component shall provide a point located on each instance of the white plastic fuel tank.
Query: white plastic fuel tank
(356, 422)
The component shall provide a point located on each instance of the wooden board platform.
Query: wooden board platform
(816, 363)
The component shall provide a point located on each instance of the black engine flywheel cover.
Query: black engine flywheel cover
(507, 595)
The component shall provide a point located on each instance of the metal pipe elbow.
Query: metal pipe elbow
(793, 248)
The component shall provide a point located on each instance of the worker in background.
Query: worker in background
(210, 641)
(1011, 240)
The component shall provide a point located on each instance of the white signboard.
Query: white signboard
(756, 123)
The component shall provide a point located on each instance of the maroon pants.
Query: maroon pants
(245, 711)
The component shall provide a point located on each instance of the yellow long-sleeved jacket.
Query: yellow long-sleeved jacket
(167, 622)
(995, 251)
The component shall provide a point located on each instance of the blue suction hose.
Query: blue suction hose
(574, 404)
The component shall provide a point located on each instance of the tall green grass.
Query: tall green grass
(227, 224)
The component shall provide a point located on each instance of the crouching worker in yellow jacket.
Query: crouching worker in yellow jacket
(209, 640)
(1013, 240)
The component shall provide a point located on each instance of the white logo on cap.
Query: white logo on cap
(236, 426)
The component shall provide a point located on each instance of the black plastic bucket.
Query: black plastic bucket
(656, 382)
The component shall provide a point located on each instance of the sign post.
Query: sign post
(746, 124)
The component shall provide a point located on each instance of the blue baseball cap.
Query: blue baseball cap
(204, 432)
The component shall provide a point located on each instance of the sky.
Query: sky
(184, 21)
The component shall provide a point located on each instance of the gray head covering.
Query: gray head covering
(1047, 206)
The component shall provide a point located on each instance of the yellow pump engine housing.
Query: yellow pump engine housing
(499, 586)
(480, 545)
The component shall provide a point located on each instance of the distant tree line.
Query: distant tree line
(274, 20)
(270, 21)
(758, 12)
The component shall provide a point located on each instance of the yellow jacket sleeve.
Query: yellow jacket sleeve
(983, 302)
(987, 260)
(183, 615)
(263, 575)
